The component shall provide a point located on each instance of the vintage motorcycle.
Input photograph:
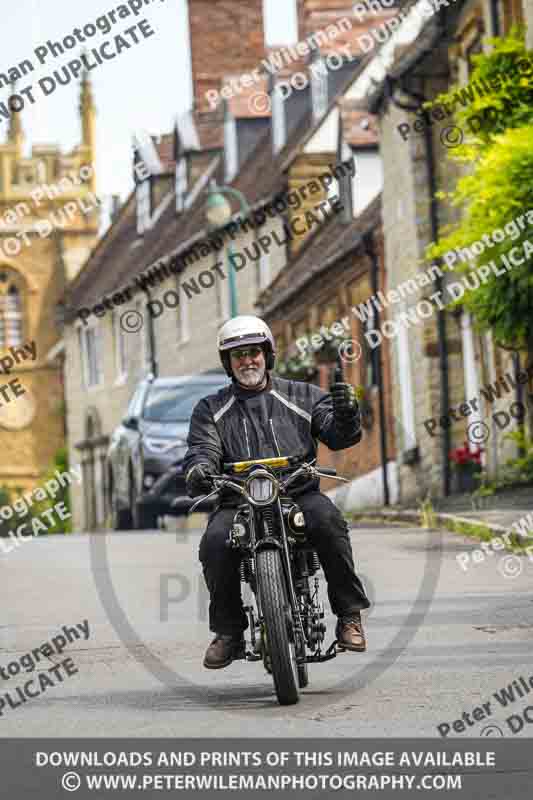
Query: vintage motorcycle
(277, 562)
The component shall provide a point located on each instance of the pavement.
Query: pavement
(498, 512)
(441, 641)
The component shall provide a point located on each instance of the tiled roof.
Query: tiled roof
(122, 254)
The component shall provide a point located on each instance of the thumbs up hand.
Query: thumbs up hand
(345, 405)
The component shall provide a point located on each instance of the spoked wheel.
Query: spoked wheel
(277, 619)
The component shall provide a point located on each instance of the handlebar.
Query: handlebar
(227, 481)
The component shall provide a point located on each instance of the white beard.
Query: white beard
(250, 377)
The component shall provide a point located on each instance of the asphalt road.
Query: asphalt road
(441, 642)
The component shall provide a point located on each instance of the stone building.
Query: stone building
(439, 361)
(49, 217)
(258, 158)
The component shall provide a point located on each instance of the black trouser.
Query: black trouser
(328, 533)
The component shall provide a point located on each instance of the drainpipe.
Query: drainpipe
(519, 397)
(441, 319)
(495, 18)
(370, 250)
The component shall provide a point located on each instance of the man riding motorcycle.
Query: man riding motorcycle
(260, 416)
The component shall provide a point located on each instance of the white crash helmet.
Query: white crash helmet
(241, 331)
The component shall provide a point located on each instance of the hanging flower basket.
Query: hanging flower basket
(330, 350)
(297, 368)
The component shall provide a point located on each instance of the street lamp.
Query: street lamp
(218, 214)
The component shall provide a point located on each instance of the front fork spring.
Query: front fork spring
(246, 569)
(314, 562)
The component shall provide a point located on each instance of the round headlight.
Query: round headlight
(298, 520)
(262, 489)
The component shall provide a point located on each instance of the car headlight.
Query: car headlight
(163, 445)
(262, 489)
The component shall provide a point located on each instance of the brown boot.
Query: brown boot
(350, 633)
(223, 650)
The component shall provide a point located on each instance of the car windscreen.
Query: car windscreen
(176, 403)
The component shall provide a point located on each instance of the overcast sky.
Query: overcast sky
(143, 87)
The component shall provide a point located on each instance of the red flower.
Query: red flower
(463, 455)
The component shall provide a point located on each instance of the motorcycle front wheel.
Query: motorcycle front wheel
(277, 615)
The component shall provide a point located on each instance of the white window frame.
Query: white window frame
(92, 379)
(265, 271)
(319, 90)
(181, 184)
(279, 122)
(470, 372)
(406, 388)
(231, 155)
(184, 332)
(144, 205)
(120, 341)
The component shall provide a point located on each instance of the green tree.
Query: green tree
(59, 526)
(498, 187)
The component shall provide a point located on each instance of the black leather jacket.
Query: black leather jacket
(285, 418)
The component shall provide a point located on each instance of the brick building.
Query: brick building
(441, 361)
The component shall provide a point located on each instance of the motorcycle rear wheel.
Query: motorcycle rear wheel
(276, 608)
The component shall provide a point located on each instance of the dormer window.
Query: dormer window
(181, 184)
(319, 87)
(144, 205)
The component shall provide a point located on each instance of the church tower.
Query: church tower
(49, 219)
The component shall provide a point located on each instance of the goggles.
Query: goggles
(242, 352)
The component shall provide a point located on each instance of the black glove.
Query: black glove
(345, 405)
(198, 480)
